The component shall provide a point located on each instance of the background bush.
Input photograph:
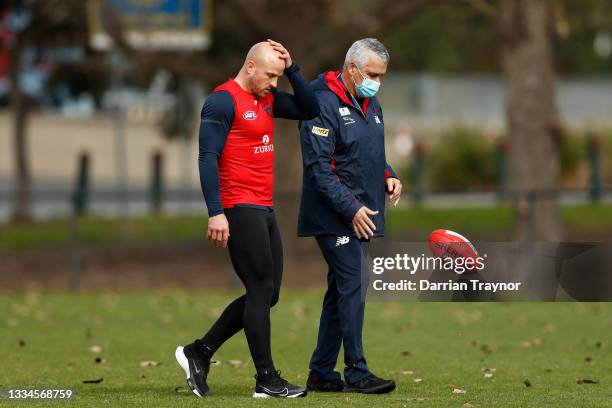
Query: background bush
(461, 159)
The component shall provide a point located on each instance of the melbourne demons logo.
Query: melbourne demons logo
(265, 147)
(268, 109)
(249, 115)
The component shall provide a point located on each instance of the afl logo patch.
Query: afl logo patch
(249, 115)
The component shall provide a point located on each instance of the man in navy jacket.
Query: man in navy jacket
(346, 178)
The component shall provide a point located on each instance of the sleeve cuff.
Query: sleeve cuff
(390, 173)
(292, 69)
(352, 210)
(215, 212)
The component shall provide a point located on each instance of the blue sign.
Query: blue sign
(153, 24)
(161, 13)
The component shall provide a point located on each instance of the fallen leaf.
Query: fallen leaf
(598, 344)
(459, 391)
(417, 380)
(100, 360)
(95, 349)
(486, 349)
(408, 372)
(467, 405)
(531, 343)
(299, 310)
(21, 343)
(98, 381)
(149, 363)
(406, 353)
(488, 370)
(234, 363)
(588, 359)
(527, 383)
(585, 381)
(488, 375)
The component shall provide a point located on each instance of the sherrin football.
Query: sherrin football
(445, 243)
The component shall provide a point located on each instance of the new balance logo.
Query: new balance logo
(342, 241)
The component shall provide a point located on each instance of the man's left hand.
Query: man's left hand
(284, 54)
(394, 189)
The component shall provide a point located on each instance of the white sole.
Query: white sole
(264, 395)
(182, 360)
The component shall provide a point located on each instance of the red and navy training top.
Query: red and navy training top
(236, 156)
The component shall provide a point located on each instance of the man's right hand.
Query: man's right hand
(362, 224)
(218, 230)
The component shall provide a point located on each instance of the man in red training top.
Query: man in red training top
(236, 162)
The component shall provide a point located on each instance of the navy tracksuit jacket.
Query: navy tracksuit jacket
(343, 152)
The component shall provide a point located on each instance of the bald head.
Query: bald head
(264, 55)
(262, 67)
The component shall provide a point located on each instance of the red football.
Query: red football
(445, 243)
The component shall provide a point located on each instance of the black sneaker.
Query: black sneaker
(371, 385)
(196, 370)
(273, 385)
(316, 384)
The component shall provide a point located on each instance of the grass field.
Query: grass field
(499, 219)
(46, 342)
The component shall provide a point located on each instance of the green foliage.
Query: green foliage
(606, 137)
(461, 159)
(452, 37)
(573, 152)
(449, 38)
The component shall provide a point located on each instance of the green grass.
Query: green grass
(446, 345)
(470, 220)
(100, 230)
(489, 219)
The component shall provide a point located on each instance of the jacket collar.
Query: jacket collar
(340, 89)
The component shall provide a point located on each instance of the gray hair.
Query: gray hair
(362, 50)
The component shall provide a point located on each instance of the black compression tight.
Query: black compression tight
(256, 252)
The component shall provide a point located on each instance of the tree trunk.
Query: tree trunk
(532, 123)
(19, 103)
